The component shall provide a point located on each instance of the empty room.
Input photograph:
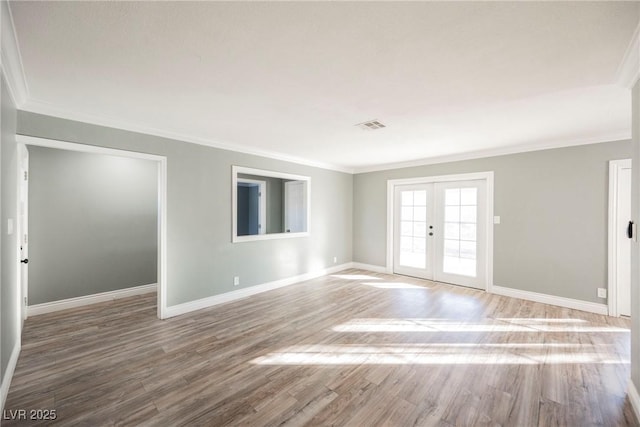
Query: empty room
(320, 213)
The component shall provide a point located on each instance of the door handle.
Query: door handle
(631, 231)
(25, 261)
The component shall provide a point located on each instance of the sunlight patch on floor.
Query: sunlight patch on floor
(393, 285)
(539, 320)
(354, 277)
(437, 354)
(447, 325)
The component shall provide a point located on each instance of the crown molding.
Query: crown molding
(629, 69)
(47, 109)
(55, 111)
(10, 58)
(502, 151)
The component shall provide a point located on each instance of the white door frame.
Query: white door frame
(162, 199)
(487, 176)
(612, 293)
(21, 233)
(262, 196)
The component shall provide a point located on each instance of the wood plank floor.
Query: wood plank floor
(355, 348)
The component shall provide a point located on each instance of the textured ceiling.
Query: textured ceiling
(294, 78)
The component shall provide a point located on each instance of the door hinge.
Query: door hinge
(26, 175)
(25, 301)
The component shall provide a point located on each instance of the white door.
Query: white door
(623, 260)
(295, 214)
(460, 236)
(440, 232)
(23, 223)
(413, 230)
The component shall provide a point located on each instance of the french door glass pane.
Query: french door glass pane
(420, 229)
(406, 228)
(452, 197)
(407, 213)
(468, 250)
(406, 244)
(460, 242)
(413, 229)
(407, 198)
(451, 230)
(452, 213)
(420, 198)
(451, 248)
(469, 196)
(468, 232)
(468, 214)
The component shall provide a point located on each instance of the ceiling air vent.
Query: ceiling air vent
(371, 125)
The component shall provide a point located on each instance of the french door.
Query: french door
(440, 232)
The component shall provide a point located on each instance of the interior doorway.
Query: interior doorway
(295, 220)
(620, 229)
(440, 229)
(252, 207)
(161, 167)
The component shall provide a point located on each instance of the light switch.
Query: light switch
(10, 226)
(496, 219)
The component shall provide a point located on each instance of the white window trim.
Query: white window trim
(487, 176)
(235, 170)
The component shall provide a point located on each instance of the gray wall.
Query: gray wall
(8, 254)
(202, 261)
(553, 207)
(92, 223)
(635, 248)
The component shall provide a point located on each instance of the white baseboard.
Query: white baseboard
(592, 307)
(369, 267)
(634, 398)
(8, 375)
(49, 307)
(187, 307)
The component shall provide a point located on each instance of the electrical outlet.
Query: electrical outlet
(236, 281)
(335, 259)
(602, 293)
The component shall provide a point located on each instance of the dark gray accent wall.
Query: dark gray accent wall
(635, 246)
(10, 316)
(553, 207)
(247, 220)
(93, 223)
(202, 260)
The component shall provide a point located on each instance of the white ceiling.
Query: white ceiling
(294, 78)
